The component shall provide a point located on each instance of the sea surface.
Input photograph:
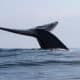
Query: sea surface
(39, 64)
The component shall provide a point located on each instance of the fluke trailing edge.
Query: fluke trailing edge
(46, 39)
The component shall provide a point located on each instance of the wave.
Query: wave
(37, 57)
(49, 62)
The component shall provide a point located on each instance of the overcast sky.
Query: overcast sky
(24, 14)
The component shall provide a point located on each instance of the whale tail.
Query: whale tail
(48, 27)
(46, 39)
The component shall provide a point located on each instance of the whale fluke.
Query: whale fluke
(48, 27)
(46, 39)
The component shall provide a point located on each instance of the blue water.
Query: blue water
(37, 64)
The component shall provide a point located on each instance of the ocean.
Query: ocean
(39, 64)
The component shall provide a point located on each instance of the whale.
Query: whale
(42, 33)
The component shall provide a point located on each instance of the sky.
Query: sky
(25, 14)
